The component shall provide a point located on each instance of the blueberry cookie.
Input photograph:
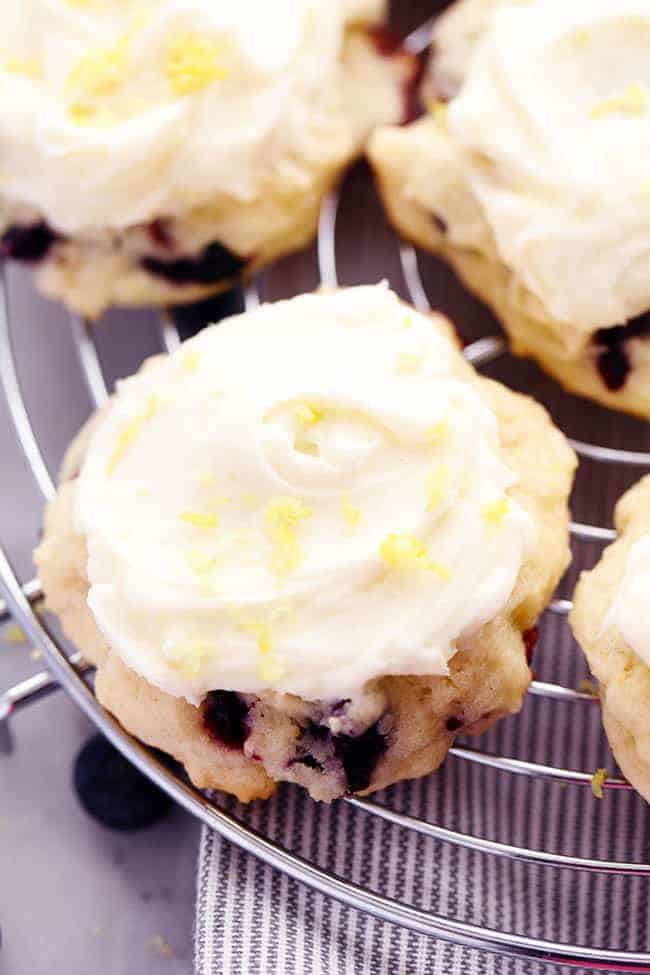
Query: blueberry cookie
(527, 173)
(610, 622)
(153, 152)
(310, 546)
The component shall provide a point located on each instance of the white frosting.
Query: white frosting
(553, 123)
(113, 113)
(629, 611)
(310, 499)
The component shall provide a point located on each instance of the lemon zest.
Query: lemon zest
(101, 71)
(598, 779)
(438, 432)
(437, 482)
(438, 110)
(307, 415)
(282, 518)
(409, 362)
(495, 511)
(191, 360)
(404, 551)
(350, 511)
(29, 67)
(199, 519)
(14, 634)
(189, 657)
(634, 100)
(130, 433)
(193, 63)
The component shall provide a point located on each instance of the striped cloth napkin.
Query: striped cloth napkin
(252, 920)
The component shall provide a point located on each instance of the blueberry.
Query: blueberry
(454, 723)
(27, 242)
(359, 756)
(614, 367)
(530, 641)
(213, 264)
(113, 791)
(613, 358)
(225, 716)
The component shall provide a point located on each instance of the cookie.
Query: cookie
(310, 546)
(154, 153)
(609, 620)
(526, 174)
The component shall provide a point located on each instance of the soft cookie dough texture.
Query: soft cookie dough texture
(153, 150)
(310, 546)
(610, 621)
(528, 174)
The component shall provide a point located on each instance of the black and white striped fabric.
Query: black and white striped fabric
(254, 921)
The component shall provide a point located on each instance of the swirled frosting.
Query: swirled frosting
(302, 498)
(629, 611)
(553, 124)
(113, 112)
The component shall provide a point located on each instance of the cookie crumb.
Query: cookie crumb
(14, 634)
(158, 945)
(598, 779)
(588, 686)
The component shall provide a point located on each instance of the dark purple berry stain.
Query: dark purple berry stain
(224, 715)
(530, 641)
(454, 723)
(613, 356)
(213, 264)
(113, 791)
(357, 754)
(389, 45)
(27, 242)
(161, 234)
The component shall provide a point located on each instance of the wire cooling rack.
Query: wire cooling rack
(70, 672)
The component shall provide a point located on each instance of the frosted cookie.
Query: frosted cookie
(154, 150)
(610, 622)
(528, 174)
(310, 546)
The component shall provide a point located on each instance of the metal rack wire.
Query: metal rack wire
(70, 673)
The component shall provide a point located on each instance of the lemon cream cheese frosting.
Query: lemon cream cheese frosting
(227, 121)
(553, 123)
(299, 500)
(628, 612)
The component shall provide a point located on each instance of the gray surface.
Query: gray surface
(74, 897)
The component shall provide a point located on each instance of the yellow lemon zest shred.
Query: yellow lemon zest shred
(633, 100)
(101, 71)
(409, 362)
(307, 414)
(438, 110)
(350, 511)
(191, 360)
(130, 433)
(437, 482)
(29, 67)
(404, 551)
(282, 518)
(189, 657)
(199, 519)
(495, 511)
(193, 62)
(598, 779)
(14, 634)
(438, 432)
